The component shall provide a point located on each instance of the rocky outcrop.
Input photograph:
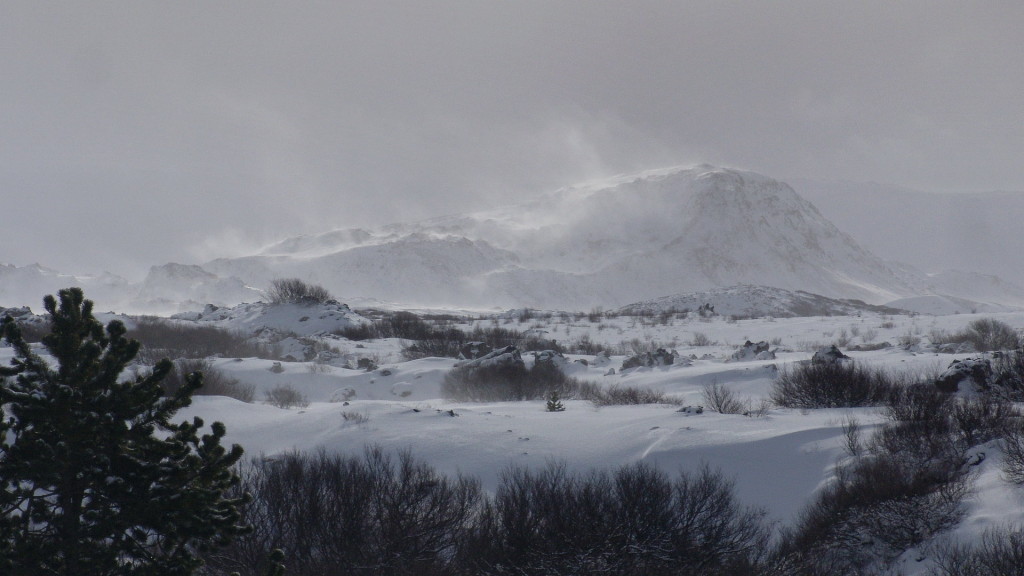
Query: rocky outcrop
(977, 371)
(659, 357)
(752, 351)
(474, 350)
(828, 355)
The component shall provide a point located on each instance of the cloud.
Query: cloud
(164, 126)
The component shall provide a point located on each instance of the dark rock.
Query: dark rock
(752, 351)
(977, 371)
(659, 357)
(828, 355)
(474, 350)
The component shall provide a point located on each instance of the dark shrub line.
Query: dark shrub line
(377, 515)
(833, 385)
(905, 486)
(161, 338)
(295, 291)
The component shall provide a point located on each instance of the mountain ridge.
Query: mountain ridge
(609, 242)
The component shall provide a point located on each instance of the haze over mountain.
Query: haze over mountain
(975, 232)
(608, 243)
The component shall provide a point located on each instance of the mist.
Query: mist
(137, 133)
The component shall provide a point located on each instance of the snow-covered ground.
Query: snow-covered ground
(778, 459)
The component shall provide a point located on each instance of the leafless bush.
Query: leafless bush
(876, 498)
(1013, 454)
(629, 396)
(163, 338)
(701, 339)
(584, 345)
(633, 521)
(723, 400)
(285, 396)
(983, 334)
(363, 516)
(1008, 376)
(215, 382)
(909, 340)
(507, 382)
(319, 367)
(831, 385)
(353, 417)
(903, 486)
(852, 436)
(295, 291)
(999, 553)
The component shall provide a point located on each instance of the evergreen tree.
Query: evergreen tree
(555, 403)
(95, 479)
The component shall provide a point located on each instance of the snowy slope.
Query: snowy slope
(747, 301)
(606, 243)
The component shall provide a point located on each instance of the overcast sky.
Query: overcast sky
(136, 133)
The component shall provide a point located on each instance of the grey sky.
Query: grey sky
(134, 133)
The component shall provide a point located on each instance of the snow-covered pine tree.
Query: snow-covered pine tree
(95, 477)
(555, 403)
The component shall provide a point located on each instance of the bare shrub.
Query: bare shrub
(349, 515)
(701, 339)
(295, 291)
(629, 396)
(163, 338)
(635, 520)
(507, 381)
(876, 498)
(983, 334)
(319, 367)
(909, 340)
(999, 553)
(1013, 455)
(1008, 376)
(353, 417)
(990, 334)
(831, 385)
(215, 382)
(852, 436)
(722, 400)
(285, 396)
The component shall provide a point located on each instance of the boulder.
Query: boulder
(507, 356)
(752, 351)
(659, 357)
(828, 355)
(474, 350)
(977, 371)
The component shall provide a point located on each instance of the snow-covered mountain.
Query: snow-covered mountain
(605, 243)
(26, 285)
(746, 301)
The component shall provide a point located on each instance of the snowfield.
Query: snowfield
(778, 457)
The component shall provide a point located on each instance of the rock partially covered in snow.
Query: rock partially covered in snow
(977, 371)
(752, 351)
(507, 356)
(307, 319)
(659, 357)
(474, 350)
(550, 357)
(828, 355)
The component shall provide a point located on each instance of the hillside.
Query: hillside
(603, 243)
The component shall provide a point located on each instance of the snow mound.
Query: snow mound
(305, 319)
(747, 301)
